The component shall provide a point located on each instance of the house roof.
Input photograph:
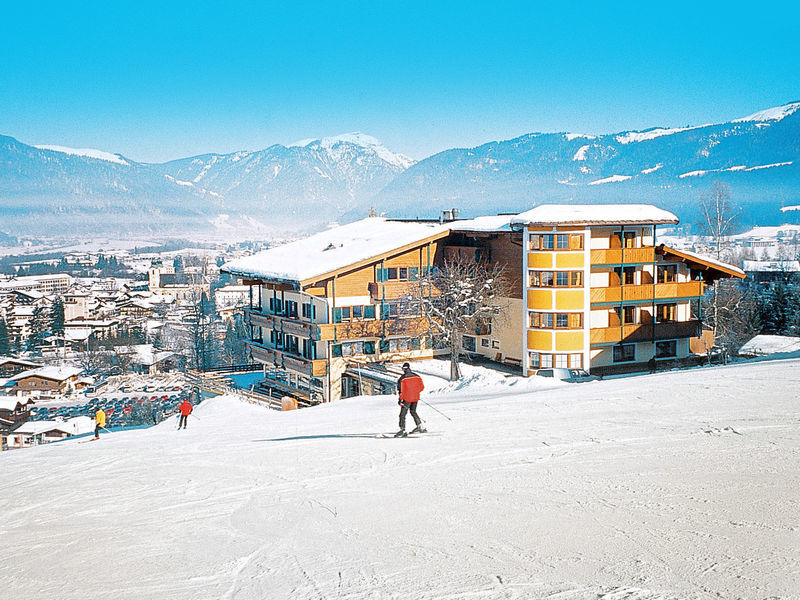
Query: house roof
(10, 402)
(595, 214)
(698, 261)
(54, 373)
(329, 251)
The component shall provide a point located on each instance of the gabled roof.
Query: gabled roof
(595, 214)
(54, 373)
(703, 263)
(329, 251)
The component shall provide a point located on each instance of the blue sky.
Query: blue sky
(157, 81)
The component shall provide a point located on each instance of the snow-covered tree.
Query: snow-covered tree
(459, 298)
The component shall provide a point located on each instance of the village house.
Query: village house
(590, 289)
(43, 432)
(10, 366)
(13, 411)
(45, 381)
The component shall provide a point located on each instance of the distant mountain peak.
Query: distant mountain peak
(358, 139)
(771, 114)
(86, 152)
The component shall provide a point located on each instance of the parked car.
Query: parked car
(568, 375)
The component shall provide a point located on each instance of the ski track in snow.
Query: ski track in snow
(676, 485)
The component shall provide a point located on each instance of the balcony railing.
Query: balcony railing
(644, 333)
(353, 330)
(640, 293)
(291, 325)
(298, 364)
(618, 256)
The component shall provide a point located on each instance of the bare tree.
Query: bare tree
(718, 215)
(459, 298)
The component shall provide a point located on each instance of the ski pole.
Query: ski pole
(437, 410)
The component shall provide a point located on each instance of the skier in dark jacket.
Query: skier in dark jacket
(408, 388)
(186, 409)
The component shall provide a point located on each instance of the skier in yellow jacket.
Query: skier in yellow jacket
(99, 422)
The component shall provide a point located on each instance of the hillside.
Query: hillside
(674, 485)
(307, 185)
(757, 156)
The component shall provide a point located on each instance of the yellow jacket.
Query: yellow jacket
(100, 418)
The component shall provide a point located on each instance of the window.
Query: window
(558, 320)
(667, 273)
(275, 306)
(496, 344)
(400, 308)
(290, 308)
(576, 361)
(309, 311)
(291, 344)
(397, 274)
(560, 241)
(555, 278)
(626, 314)
(546, 361)
(309, 350)
(468, 343)
(666, 312)
(624, 353)
(560, 361)
(533, 358)
(353, 313)
(626, 239)
(668, 349)
(484, 343)
(336, 350)
(627, 275)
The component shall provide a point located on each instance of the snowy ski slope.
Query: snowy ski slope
(674, 485)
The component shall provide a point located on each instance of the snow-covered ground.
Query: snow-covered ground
(673, 485)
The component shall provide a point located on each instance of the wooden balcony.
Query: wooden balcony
(643, 333)
(298, 364)
(290, 325)
(354, 330)
(644, 293)
(618, 256)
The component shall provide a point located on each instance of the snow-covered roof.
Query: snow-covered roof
(10, 402)
(489, 223)
(334, 249)
(764, 345)
(595, 214)
(55, 373)
(74, 426)
(701, 258)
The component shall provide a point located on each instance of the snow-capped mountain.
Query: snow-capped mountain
(309, 180)
(54, 189)
(758, 156)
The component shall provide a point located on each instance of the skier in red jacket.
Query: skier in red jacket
(186, 409)
(409, 386)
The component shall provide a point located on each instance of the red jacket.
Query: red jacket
(410, 387)
(185, 408)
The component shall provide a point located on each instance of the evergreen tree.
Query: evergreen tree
(57, 317)
(39, 329)
(5, 342)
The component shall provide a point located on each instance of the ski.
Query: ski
(89, 440)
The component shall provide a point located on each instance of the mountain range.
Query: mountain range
(57, 190)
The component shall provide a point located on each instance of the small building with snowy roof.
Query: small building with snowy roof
(46, 380)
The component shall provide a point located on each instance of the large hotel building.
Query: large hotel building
(591, 288)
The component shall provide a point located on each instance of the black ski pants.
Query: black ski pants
(182, 421)
(405, 408)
